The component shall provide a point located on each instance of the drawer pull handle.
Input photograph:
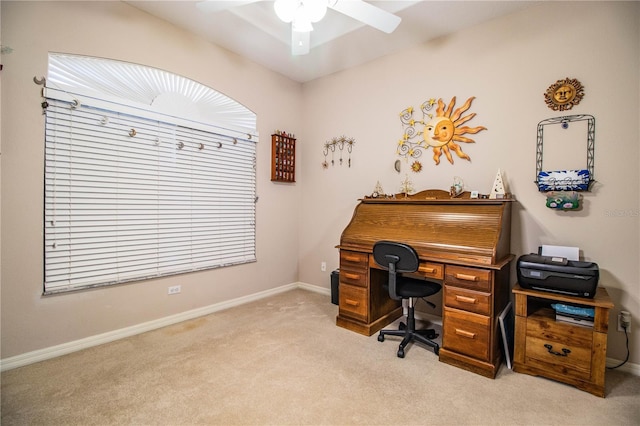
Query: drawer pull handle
(352, 259)
(465, 333)
(466, 277)
(428, 270)
(465, 299)
(352, 276)
(351, 302)
(564, 352)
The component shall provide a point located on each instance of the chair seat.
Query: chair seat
(412, 287)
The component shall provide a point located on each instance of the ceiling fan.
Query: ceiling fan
(303, 13)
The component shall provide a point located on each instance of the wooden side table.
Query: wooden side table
(562, 351)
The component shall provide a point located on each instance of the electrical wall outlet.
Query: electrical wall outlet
(174, 289)
(624, 319)
(323, 266)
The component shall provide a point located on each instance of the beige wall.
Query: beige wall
(507, 64)
(118, 31)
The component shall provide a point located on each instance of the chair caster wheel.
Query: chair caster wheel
(380, 337)
(432, 335)
(400, 353)
(402, 326)
(436, 351)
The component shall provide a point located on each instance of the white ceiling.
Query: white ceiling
(337, 42)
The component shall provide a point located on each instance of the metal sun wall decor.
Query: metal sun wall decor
(564, 94)
(340, 143)
(441, 131)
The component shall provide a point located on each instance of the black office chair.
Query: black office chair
(398, 258)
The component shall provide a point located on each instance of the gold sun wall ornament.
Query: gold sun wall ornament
(564, 94)
(441, 131)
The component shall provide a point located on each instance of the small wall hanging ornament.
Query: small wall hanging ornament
(564, 94)
(441, 132)
(563, 200)
(341, 144)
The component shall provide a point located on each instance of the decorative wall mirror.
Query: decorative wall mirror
(566, 179)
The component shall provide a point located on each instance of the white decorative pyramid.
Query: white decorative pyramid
(498, 190)
(378, 189)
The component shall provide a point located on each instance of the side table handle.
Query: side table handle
(564, 352)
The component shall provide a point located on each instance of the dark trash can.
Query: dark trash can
(335, 282)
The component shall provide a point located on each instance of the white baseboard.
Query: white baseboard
(99, 339)
(629, 367)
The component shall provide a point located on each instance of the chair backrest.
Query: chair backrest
(402, 255)
(395, 257)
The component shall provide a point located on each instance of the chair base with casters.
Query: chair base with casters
(399, 258)
(409, 333)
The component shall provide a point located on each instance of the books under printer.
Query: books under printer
(558, 275)
(579, 315)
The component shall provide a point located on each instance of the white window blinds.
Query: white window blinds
(132, 195)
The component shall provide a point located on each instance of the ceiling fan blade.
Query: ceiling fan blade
(367, 14)
(212, 6)
(300, 42)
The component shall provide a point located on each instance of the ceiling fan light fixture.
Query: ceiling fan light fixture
(301, 24)
(315, 9)
(286, 9)
(292, 10)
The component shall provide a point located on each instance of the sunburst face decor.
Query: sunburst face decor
(442, 131)
(564, 94)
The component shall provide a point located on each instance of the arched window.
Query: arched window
(146, 174)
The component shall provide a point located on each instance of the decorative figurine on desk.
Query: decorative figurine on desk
(377, 191)
(498, 190)
(406, 187)
(457, 187)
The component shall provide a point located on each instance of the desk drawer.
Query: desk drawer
(466, 333)
(472, 278)
(354, 260)
(467, 300)
(431, 270)
(353, 277)
(354, 302)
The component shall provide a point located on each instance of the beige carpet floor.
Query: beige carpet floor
(282, 361)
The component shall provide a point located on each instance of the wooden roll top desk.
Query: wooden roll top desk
(463, 243)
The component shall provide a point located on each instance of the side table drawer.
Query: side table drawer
(466, 333)
(467, 300)
(353, 302)
(560, 347)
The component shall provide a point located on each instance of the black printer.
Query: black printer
(558, 275)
